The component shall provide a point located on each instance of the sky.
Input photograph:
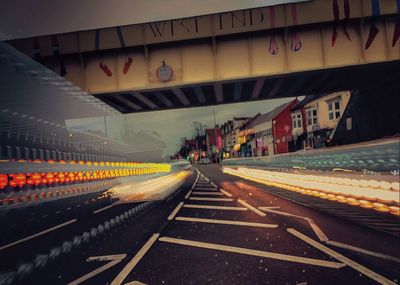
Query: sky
(171, 125)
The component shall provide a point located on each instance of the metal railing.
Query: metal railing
(377, 156)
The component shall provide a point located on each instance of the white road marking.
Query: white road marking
(208, 193)
(188, 194)
(175, 211)
(135, 260)
(252, 252)
(251, 208)
(225, 192)
(193, 206)
(213, 184)
(206, 178)
(320, 234)
(195, 182)
(38, 234)
(135, 283)
(211, 199)
(205, 189)
(317, 230)
(103, 209)
(225, 222)
(364, 251)
(356, 266)
(265, 209)
(114, 259)
(269, 208)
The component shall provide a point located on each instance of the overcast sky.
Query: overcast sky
(172, 125)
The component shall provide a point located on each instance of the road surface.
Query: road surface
(216, 229)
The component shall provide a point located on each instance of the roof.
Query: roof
(307, 100)
(262, 118)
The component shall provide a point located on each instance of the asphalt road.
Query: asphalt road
(204, 234)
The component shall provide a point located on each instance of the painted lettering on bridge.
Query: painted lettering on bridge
(240, 19)
(173, 28)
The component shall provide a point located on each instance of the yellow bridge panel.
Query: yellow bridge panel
(393, 52)
(309, 56)
(198, 63)
(385, 7)
(98, 80)
(345, 51)
(233, 59)
(134, 75)
(263, 61)
(76, 74)
(133, 35)
(377, 50)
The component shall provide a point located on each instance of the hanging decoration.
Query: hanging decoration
(56, 53)
(129, 61)
(336, 15)
(373, 29)
(295, 39)
(102, 65)
(127, 65)
(273, 46)
(396, 32)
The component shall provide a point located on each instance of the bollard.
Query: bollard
(41, 154)
(18, 153)
(47, 155)
(34, 154)
(26, 154)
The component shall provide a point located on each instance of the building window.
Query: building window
(296, 121)
(312, 117)
(334, 109)
(299, 120)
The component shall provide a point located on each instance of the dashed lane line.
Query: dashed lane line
(194, 206)
(213, 184)
(356, 266)
(38, 234)
(252, 252)
(226, 193)
(225, 222)
(251, 208)
(135, 260)
(364, 251)
(103, 209)
(208, 193)
(175, 211)
(211, 199)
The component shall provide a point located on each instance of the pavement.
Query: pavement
(215, 229)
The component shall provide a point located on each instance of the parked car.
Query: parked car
(204, 160)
